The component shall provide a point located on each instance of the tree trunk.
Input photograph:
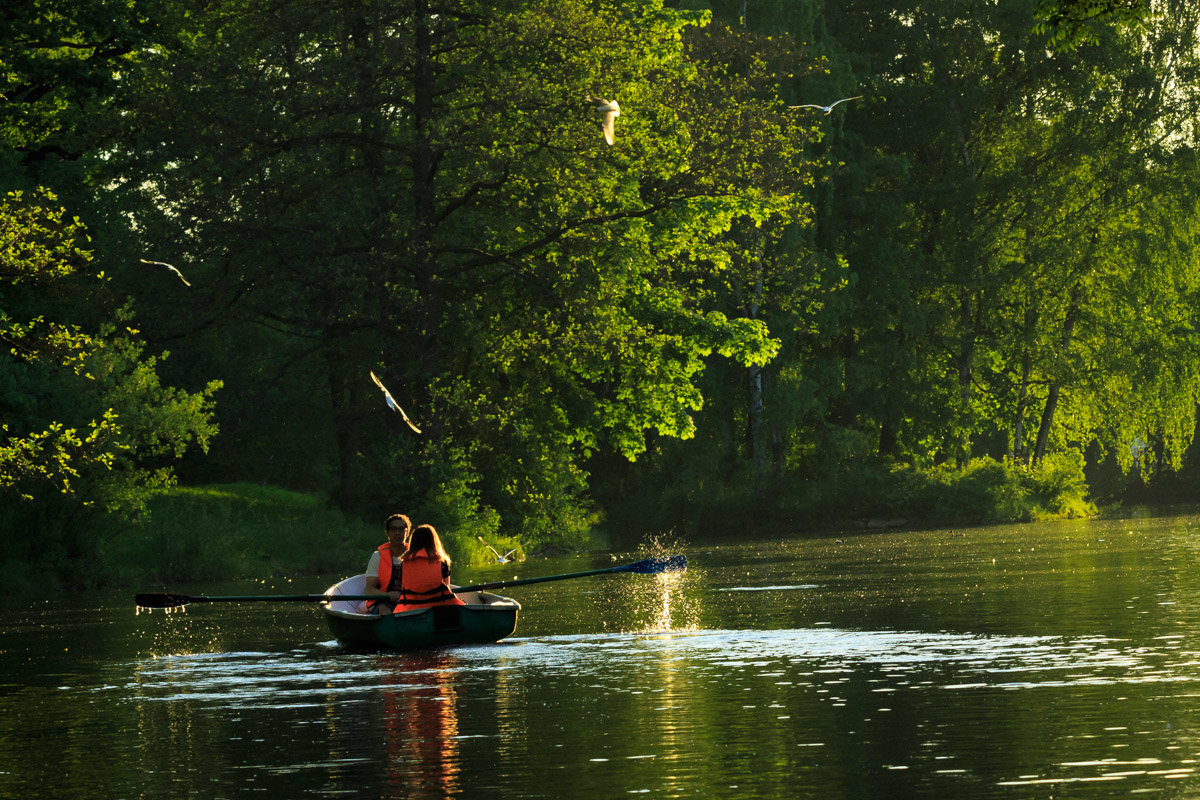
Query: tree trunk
(778, 453)
(1052, 397)
(344, 362)
(1020, 450)
(754, 426)
(966, 358)
(344, 396)
(750, 238)
(888, 441)
(1047, 422)
(754, 410)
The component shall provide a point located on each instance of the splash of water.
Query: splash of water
(666, 606)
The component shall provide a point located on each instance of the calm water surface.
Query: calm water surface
(1030, 661)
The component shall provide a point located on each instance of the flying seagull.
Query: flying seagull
(608, 110)
(829, 107)
(503, 559)
(392, 404)
(168, 266)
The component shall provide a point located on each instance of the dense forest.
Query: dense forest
(969, 291)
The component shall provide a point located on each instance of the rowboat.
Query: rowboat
(485, 618)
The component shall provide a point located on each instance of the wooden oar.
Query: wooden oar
(650, 566)
(152, 600)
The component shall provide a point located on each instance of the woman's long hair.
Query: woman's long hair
(424, 537)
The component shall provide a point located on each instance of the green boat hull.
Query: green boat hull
(486, 618)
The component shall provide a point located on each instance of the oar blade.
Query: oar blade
(157, 600)
(653, 566)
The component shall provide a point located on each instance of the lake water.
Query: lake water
(1034, 661)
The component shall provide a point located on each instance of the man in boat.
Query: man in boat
(383, 569)
(425, 573)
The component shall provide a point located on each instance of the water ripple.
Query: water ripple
(816, 657)
(987, 660)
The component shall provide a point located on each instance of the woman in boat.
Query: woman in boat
(383, 569)
(425, 570)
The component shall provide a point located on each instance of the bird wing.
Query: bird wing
(495, 552)
(392, 404)
(844, 99)
(171, 267)
(606, 125)
(180, 274)
(608, 110)
(809, 105)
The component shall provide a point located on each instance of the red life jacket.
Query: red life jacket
(385, 570)
(422, 584)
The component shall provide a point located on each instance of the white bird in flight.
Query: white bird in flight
(608, 110)
(168, 266)
(827, 109)
(503, 559)
(392, 404)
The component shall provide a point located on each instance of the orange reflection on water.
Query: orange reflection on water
(420, 706)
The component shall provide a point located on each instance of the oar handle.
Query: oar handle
(152, 600)
(649, 566)
(479, 587)
(284, 598)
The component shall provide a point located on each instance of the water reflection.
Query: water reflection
(420, 721)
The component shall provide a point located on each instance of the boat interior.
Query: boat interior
(356, 585)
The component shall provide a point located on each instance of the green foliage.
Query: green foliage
(1071, 23)
(983, 491)
(86, 414)
(531, 294)
(1019, 272)
(454, 509)
(869, 494)
(88, 428)
(987, 261)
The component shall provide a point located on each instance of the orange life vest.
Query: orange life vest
(422, 584)
(385, 570)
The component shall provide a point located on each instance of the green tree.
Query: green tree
(421, 189)
(87, 429)
(83, 415)
(1007, 242)
(58, 65)
(1016, 261)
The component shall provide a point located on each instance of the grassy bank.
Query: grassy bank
(984, 491)
(236, 531)
(861, 495)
